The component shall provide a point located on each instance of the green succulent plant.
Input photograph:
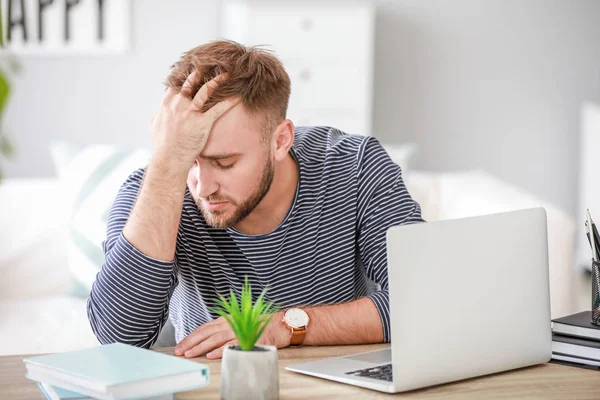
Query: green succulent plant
(248, 320)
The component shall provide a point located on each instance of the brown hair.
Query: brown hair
(255, 75)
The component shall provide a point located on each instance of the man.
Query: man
(233, 189)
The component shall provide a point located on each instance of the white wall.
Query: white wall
(107, 99)
(490, 84)
(494, 85)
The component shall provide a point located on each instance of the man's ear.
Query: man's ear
(282, 140)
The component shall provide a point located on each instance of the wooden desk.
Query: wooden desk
(547, 381)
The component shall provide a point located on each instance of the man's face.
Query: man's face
(234, 171)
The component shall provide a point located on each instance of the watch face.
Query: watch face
(296, 317)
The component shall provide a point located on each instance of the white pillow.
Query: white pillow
(90, 178)
(33, 237)
(403, 155)
(54, 324)
(424, 188)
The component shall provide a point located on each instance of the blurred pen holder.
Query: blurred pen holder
(595, 293)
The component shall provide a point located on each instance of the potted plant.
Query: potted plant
(248, 371)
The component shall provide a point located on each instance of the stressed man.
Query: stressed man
(233, 189)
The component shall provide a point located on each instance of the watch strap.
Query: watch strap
(298, 335)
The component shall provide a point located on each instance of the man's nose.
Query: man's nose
(207, 185)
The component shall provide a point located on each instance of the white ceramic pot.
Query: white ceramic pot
(250, 375)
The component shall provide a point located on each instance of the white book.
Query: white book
(576, 360)
(118, 371)
(577, 325)
(573, 346)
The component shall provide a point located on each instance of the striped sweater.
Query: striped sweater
(330, 248)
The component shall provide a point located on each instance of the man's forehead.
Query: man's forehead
(234, 132)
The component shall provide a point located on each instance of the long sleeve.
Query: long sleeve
(383, 201)
(129, 301)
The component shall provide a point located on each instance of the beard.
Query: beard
(220, 219)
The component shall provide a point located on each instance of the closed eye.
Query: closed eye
(224, 167)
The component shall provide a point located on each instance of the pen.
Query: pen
(592, 239)
(594, 229)
(587, 233)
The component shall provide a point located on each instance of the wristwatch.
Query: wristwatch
(297, 320)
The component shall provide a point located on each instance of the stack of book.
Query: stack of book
(575, 340)
(115, 371)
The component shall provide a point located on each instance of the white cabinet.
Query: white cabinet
(326, 48)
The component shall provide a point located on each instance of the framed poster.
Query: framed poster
(65, 26)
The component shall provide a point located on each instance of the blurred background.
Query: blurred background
(486, 105)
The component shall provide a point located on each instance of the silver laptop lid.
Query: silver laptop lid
(468, 297)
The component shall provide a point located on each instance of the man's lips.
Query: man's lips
(214, 205)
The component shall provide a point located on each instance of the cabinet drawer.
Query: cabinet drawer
(313, 30)
(329, 86)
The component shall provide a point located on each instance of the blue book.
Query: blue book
(56, 393)
(117, 371)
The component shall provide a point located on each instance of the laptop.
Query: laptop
(468, 297)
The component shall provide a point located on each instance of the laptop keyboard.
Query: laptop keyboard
(381, 372)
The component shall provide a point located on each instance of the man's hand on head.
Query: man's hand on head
(212, 338)
(179, 128)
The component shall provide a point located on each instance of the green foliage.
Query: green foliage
(8, 64)
(247, 320)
